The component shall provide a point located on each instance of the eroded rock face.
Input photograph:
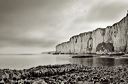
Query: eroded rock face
(89, 45)
(87, 42)
(105, 48)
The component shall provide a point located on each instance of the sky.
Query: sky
(34, 26)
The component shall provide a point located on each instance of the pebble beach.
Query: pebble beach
(66, 74)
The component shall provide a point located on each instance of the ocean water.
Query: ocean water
(28, 61)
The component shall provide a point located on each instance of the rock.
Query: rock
(104, 48)
(115, 36)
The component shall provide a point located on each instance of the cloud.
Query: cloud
(99, 14)
(105, 11)
(45, 23)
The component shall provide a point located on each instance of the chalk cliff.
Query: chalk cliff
(110, 39)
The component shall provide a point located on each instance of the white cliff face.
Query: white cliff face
(97, 37)
(116, 35)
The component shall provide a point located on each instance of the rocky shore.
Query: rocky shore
(66, 74)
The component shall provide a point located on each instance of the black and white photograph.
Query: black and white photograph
(63, 41)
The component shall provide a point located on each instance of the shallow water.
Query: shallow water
(101, 61)
(28, 61)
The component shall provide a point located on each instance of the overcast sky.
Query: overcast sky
(39, 25)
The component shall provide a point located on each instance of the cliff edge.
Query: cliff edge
(102, 40)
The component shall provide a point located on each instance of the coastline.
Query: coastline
(87, 55)
(101, 40)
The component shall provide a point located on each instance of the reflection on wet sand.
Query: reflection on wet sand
(101, 61)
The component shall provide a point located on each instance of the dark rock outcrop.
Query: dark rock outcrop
(104, 48)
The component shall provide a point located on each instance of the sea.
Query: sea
(26, 61)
